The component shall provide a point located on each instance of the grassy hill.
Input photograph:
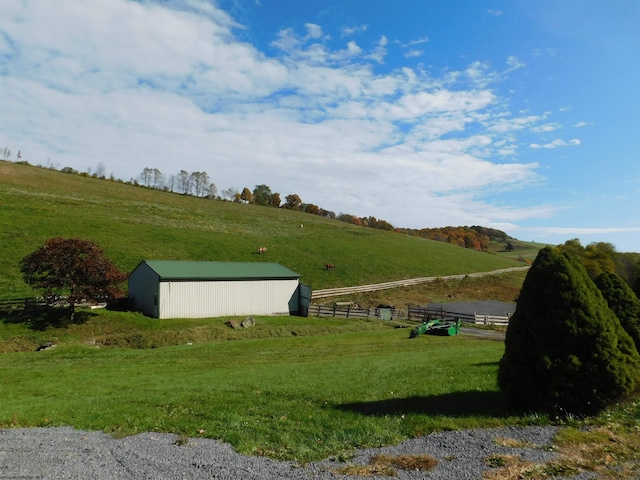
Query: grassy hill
(134, 223)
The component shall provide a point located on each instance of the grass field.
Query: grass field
(300, 388)
(133, 224)
(291, 388)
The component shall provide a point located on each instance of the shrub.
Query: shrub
(623, 302)
(565, 350)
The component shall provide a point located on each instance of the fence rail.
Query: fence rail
(415, 313)
(340, 311)
(334, 292)
(492, 320)
(422, 313)
(18, 302)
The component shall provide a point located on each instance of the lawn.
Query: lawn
(304, 396)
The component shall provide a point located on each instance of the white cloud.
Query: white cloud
(580, 124)
(557, 143)
(413, 53)
(513, 63)
(380, 51)
(417, 41)
(504, 125)
(313, 31)
(136, 85)
(549, 127)
(350, 31)
(575, 231)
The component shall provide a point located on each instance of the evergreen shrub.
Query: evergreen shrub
(623, 302)
(565, 350)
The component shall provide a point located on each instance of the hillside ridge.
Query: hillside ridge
(135, 223)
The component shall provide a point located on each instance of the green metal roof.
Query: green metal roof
(192, 270)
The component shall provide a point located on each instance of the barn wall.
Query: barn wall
(223, 298)
(143, 289)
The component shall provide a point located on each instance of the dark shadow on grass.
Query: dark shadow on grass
(120, 305)
(486, 364)
(457, 404)
(41, 317)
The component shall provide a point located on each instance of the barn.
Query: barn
(190, 289)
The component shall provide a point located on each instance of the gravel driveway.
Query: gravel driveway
(65, 453)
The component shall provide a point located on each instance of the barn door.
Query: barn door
(304, 299)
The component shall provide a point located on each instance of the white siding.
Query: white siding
(222, 298)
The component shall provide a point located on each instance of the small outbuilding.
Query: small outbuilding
(191, 289)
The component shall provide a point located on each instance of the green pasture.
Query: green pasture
(134, 223)
(299, 389)
(522, 251)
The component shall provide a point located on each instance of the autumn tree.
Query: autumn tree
(292, 202)
(310, 208)
(274, 200)
(565, 350)
(599, 257)
(246, 195)
(74, 268)
(323, 213)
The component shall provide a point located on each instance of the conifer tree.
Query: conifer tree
(565, 350)
(623, 302)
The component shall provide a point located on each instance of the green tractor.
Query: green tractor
(437, 326)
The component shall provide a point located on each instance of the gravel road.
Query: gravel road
(65, 453)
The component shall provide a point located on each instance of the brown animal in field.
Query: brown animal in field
(262, 250)
(329, 266)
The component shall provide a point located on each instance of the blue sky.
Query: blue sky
(517, 115)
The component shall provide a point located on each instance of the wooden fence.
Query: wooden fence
(334, 292)
(422, 313)
(348, 311)
(18, 303)
(492, 320)
(415, 313)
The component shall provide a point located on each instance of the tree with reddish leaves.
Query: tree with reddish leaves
(74, 268)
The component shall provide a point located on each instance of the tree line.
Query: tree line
(199, 185)
(474, 237)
